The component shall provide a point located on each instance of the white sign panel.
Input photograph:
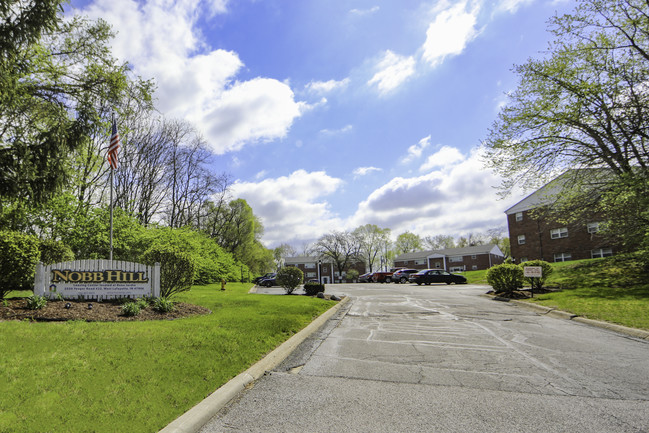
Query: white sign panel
(97, 279)
(532, 271)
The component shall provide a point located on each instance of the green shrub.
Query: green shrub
(131, 309)
(312, 289)
(537, 283)
(19, 255)
(351, 275)
(505, 278)
(142, 303)
(55, 252)
(36, 302)
(289, 277)
(176, 269)
(163, 305)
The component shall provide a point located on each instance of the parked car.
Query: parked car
(428, 276)
(268, 281)
(266, 275)
(401, 275)
(365, 278)
(382, 277)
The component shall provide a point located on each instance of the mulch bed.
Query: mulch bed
(105, 311)
(519, 294)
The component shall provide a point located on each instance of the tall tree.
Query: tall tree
(438, 242)
(584, 105)
(341, 248)
(53, 82)
(407, 242)
(281, 252)
(372, 240)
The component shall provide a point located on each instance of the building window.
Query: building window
(438, 265)
(419, 262)
(473, 256)
(309, 266)
(456, 269)
(519, 216)
(310, 274)
(474, 267)
(601, 252)
(523, 259)
(455, 259)
(559, 233)
(592, 227)
(562, 257)
(521, 239)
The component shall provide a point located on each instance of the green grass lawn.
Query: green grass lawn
(138, 376)
(615, 290)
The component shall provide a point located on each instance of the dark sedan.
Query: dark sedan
(268, 281)
(428, 276)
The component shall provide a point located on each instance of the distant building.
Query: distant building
(473, 258)
(321, 270)
(535, 233)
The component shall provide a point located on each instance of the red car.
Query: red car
(382, 277)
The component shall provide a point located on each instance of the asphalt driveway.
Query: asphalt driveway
(443, 358)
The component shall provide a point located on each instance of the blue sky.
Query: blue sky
(333, 114)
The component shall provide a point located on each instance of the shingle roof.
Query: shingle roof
(476, 249)
(549, 192)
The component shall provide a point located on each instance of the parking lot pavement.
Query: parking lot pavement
(444, 358)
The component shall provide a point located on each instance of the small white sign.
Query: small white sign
(532, 271)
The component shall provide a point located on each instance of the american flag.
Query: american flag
(114, 147)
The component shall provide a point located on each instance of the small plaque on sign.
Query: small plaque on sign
(532, 271)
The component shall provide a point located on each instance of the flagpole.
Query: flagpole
(111, 205)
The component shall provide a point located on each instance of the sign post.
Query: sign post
(532, 272)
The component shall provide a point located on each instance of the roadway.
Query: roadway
(444, 358)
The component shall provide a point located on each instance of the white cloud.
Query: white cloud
(452, 200)
(369, 11)
(415, 151)
(450, 32)
(321, 87)
(511, 6)
(362, 171)
(446, 156)
(161, 39)
(256, 110)
(342, 130)
(292, 207)
(392, 71)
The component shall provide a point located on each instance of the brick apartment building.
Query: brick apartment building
(478, 257)
(321, 270)
(538, 235)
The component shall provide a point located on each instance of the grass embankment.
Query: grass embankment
(615, 289)
(138, 376)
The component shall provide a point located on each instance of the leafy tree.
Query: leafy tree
(51, 85)
(372, 242)
(408, 242)
(341, 248)
(281, 252)
(289, 277)
(584, 106)
(438, 242)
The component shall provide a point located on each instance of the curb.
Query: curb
(558, 314)
(195, 418)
